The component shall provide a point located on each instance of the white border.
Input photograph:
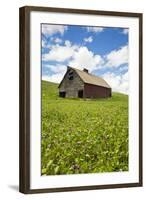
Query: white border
(132, 176)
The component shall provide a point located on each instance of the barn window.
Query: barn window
(71, 78)
(70, 75)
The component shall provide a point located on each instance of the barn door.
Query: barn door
(62, 94)
(80, 93)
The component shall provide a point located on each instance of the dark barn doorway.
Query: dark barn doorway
(62, 94)
(80, 93)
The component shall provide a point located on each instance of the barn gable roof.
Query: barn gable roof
(89, 78)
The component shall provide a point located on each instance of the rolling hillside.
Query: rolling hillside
(83, 136)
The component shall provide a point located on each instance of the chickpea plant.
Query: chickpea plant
(83, 135)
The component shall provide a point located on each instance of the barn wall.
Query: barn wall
(93, 91)
(71, 87)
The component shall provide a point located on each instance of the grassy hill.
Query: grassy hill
(83, 136)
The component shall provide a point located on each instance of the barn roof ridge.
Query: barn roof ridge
(90, 78)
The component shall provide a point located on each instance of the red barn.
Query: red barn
(81, 84)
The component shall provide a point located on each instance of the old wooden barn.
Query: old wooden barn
(82, 84)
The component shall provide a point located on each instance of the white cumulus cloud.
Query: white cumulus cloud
(117, 57)
(95, 29)
(89, 39)
(60, 53)
(43, 43)
(56, 68)
(125, 31)
(118, 83)
(67, 43)
(83, 58)
(55, 78)
(56, 40)
(52, 29)
(57, 75)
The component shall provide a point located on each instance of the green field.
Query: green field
(83, 136)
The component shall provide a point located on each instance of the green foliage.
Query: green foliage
(83, 136)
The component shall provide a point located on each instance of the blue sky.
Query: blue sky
(102, 50)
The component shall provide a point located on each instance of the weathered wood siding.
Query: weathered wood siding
(93, 91)
(71, 87)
